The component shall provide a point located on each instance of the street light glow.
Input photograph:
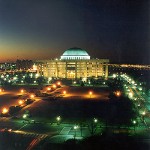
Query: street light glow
(114, 75)
(64, 92)
(58, 118)
(58, 83)
(48, 89)
(130, 94)
(134, 122)
(118, 93)
(54, 85)
(143, 113)
(22, 90)
(95, 120)
(24, 116)
(90, 93)
(75, 127)
(20, 102)
(32, 96)
(4, 110)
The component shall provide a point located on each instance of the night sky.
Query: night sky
(42, 29)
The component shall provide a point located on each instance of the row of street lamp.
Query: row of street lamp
(20, 102)
(131, 95)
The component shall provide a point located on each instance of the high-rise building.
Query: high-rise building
(75, 63)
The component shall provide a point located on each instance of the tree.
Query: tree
(28, 80)
(41, 80)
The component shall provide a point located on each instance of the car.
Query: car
(6, 130)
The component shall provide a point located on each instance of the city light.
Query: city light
(22, 90)
(64, 92)
(58, 118)
(114, 75)
(130, 94)
(54, 85)
(31, 96)
(4, 110)
(90, 93)
(58, 83)
(95, 120)
(74, 82)
(134, 122)
(25, 116)
(37, 75)
(118, 93)
(143, 113)
(48, 89)
(20, 102)
(9, 130)
(75, 127)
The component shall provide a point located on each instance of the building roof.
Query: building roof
(75, 52)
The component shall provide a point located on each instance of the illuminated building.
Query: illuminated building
(75, 63)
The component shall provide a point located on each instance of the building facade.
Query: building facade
(75, 63)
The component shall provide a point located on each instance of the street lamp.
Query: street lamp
(25, 116)
(20, 102)
(4, 110)
(64, 92)
(95, 120)
(143, 115)
(134, 123)
(118, 93)
(75, 129)
(31, 96)
(21, 90)
(130, 94)
(54, 86)
(94, 125)
(59, 83)
(114, 75)
(138, 105)
(58, 119)
(90, 93)
(48, 89)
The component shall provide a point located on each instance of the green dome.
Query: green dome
(75, 53)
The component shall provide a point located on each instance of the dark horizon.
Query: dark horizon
(113, 29)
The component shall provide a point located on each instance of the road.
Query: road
(140, 100)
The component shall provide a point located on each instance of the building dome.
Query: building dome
(75, 53)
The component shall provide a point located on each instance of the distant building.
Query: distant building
(24, 64)
(75, 63)
(9, 66)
